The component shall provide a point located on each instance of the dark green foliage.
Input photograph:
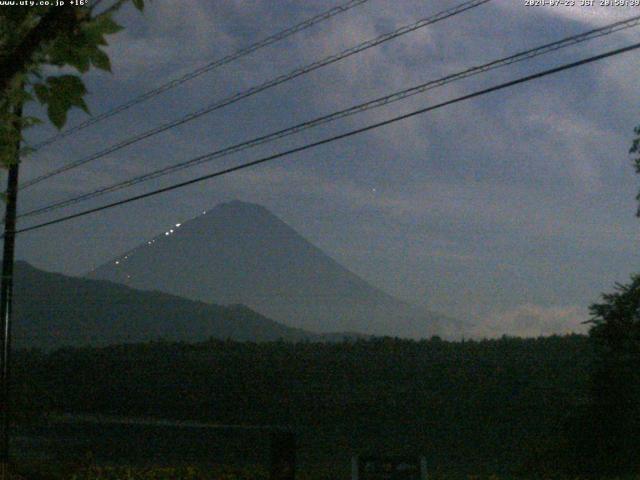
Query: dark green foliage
(478, 407)
(48, 36)
(60, 94)
(612, 420)
(635, 148)
(38, 471)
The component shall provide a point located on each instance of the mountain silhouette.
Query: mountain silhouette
(241, 253)
(53, 310)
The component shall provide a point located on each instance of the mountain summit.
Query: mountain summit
(242, 253)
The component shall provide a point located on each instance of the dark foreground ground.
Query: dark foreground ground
(471, 408)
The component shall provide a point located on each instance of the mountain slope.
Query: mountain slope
(242, 253)
(52, 310)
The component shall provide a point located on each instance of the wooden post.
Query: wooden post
(6, 304)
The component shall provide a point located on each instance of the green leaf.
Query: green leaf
(81, 62)
(64, 92)
(42, 92)
(101, 60)
(72, 50)
(139, 4)
(57, 114)
(93, 36)
(66, 85)
(19, 95)
(80, 103)
(60, 51)
(106, 26)
(29, 121)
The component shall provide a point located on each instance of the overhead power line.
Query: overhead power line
(378, 102)
(204, 69)
(262, 87)
(334, 138)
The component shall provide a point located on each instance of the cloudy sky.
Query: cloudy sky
(513, 211)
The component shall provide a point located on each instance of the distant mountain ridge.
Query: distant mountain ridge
(241, 253)
(54, 310)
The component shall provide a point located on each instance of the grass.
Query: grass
(40, 471)
(69, 472)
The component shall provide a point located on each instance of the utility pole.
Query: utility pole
(6, 300)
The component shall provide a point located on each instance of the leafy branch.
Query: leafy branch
(40, 37)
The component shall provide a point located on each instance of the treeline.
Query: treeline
(479, 406)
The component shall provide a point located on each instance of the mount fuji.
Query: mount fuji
(241, 253)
